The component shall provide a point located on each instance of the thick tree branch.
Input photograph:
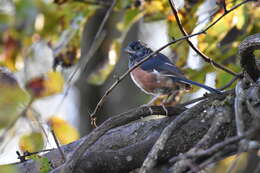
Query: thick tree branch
(246, 50)
(129, 144)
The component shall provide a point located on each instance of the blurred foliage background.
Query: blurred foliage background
(58, 67)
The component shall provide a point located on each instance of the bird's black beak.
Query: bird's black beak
(128, 50)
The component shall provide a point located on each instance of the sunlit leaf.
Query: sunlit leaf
(124, 4)
(13, 99)
(8, 169)
(153, 6)
(48, 85)
(43, 163)
(227, 163)
(31, 142)
(64, 131)
(130, 17)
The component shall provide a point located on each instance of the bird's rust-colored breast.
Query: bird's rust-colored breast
(152, 83)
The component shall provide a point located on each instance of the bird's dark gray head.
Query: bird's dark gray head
(134, 46)
(137, 50)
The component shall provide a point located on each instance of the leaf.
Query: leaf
(153, 6)
(11, 49)
(130, 17)
(31, 142)
(13, 99)
(225, 164)
(8, 169)
(43, 86)
(64, 131)
(43, 163)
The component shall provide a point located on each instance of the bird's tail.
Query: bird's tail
(183, 80)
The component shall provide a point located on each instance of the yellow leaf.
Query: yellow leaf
(52, 84)
(64, 131)
(224, 165)
(13, 99)
(153, 6)
(31, 142)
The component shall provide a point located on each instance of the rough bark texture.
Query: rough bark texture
(124, 148)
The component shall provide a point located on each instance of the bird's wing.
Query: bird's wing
(160, 63)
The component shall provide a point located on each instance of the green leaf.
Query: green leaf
(31, 142)
(8, 169)
(13, 99)
(131, 16)
(44, 164)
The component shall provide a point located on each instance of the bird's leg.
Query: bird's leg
(162, 104)
(165, 109)
(152, 101)
(166, 101)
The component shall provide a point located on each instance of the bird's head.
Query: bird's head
(137, 50)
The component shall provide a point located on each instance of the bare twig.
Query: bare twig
(67, 35)
(215, 148)
(58, 145)
(22, 158)
(231, 81)
(99, 37)
(205, 57)
(96, 43)
(207, 95)
(103, 3)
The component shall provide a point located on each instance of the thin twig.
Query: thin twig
(228, 11)
(207, 95)
(231, 81)
(205, 57)
(215, 148)
(22, 158)
(103, 3)
(58, 146)
(99, 37)
(67, 35)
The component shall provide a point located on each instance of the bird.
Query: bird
(158, 75)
